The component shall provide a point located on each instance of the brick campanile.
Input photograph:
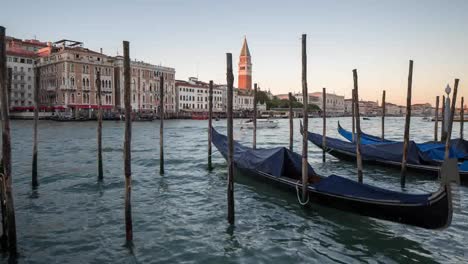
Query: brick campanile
(245, 68)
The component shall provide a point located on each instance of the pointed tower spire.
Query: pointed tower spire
(245, 67)
(245, 48)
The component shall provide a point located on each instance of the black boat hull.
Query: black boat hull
(435, 215)
(426, 170)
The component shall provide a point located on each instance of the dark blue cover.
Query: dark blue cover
(281, 161)
(278, 161)
(433, 150)
(342, 186)
(392, 151)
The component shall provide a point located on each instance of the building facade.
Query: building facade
(21, 58)
(68, 77)
(193, 96)
(245, 68)
(145, 85)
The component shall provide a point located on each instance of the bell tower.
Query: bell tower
(245, 68)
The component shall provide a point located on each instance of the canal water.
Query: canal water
(181, 217)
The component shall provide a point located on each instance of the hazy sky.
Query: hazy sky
(376, 37)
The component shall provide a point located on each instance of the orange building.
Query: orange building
(245, 68)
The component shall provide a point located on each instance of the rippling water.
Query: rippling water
(181, 216)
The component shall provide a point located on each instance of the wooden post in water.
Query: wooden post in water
(37, 85)
(161, 124)
(407, 125)
(99, 130)
(383, 115)
(255, 118)
(353, 116)
(230, 158)
(358, 126)
(9, 85)
(324, 117)
(305, 120)
(436, 125)
(442, 130)
(6, 148)
(210, 123)
(291, 124)
(462, 117)
(127, 143)
(452, 115)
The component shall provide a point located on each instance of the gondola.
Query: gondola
(434, 150)
(282, 168)
(386, 154)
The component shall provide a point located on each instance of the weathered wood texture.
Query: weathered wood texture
(407, 126)
(127, 143)
(305, 168)
(99, 129)
(452, 115)
(358, 126)
(230, 159)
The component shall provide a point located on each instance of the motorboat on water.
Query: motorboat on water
(249, 124)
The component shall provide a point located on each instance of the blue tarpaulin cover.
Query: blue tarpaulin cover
(433, 150)
(280, 161)
(392, 151)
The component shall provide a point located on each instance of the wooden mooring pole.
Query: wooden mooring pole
(353, 116)
(324, 117)
(358, 126)
(37, 85)
(436, 125)
(450, 121)
(210, 123)
(254, 140)
(291, 122)
(127, 143)
(305, 120)
(407, 126)
(7, 191)
(99, 129)
(161, 124)
(383, 115)
(462, 116)
(230, 159)
(442, 125)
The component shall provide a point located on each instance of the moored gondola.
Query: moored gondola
(282, 168)
(388, 154)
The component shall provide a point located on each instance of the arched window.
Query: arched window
(102, 83)
(143, 87)
(110, 84)
(73, 98)
(72, 81)
(87, 82)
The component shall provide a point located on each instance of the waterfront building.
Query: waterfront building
(193, 96)
(394, 110)
(68, 77)
(422, 109)
(144, 85)
(21, 58)
(335, 104)
(245, 68)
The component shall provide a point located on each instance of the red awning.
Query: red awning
(22, 108)
(82, 106)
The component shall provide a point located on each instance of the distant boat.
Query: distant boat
(365, 118)
(260, 124)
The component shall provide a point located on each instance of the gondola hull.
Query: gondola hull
(426, 170)
(436, 214)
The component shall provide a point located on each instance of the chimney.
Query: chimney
(101, 50)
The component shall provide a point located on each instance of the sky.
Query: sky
(378, 38)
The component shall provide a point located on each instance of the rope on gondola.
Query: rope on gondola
(298, 197)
